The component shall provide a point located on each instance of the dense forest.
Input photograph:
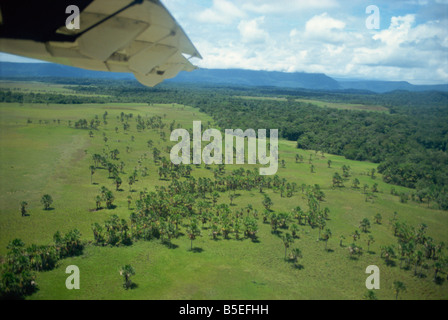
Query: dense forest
(409, 141)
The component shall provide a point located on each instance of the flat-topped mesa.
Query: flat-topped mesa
(213, 152)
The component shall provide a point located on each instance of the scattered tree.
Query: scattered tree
(127, 272)
(47, 201)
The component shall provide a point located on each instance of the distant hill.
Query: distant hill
(315, 81)
(11, 69)
(386, 86)
(260, 78)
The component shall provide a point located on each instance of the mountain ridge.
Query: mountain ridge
(299, 80)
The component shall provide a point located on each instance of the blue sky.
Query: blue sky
(326, 36)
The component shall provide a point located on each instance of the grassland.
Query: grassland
(41, 87)
(53, 158)
(327, 104)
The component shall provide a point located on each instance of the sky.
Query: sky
(322, 36)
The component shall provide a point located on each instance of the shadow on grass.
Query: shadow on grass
(197, 250)
(391, 263)
(133, 286)
(439, 280)
(277, 233)
(170, 245)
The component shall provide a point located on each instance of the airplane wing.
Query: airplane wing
(136, 36)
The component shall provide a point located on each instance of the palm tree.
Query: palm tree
(418, 260)
(356, 235)
(98, 202)
(321, 223)
(295, 255)
(129, 201)
(214, 231)
(437, 268)
(370, 240)
(341, 239)
(131, 181)
(398, 287)
(92, 171)
(346, 171)
(337, 180)
(46, 200)
(231, 197)
(215, 196)
(326, 212)
(294, 230)
(193, 232)
(378, 218)
(109, 197)
(267, 202)
(326, 236)
(23, 206)
(388, 253)
(287, 240)
(366, 186)
(237, 229)
(118, 182)
(126, 272)
(354, 250)
(364, 225)
(370, 295)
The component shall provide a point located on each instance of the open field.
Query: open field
(41, 87)
(40, 153)
(327, 104)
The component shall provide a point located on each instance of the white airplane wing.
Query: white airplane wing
(137, 36)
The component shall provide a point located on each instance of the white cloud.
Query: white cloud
(328, 45)
(286, 7)
(251, 32)
(221, 12)
(398, 31)
(323, 24)
(325, 28)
